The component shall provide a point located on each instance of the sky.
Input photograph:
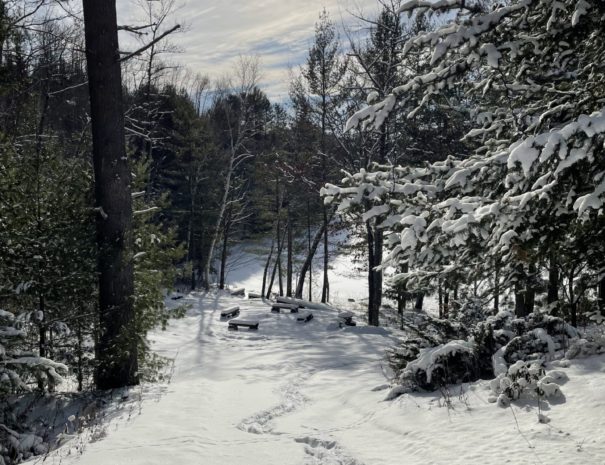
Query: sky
(280, 32)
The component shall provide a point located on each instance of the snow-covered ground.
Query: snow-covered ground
(348, 283)
(312, 393)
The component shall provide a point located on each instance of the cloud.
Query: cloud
(279, 31)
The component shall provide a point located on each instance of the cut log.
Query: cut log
(278, 307)
(254, 295)
(250, 324)
(304, 317)
(230, 312)
(291, 301)
(238, 291)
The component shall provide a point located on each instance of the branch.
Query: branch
(150, 44)
(136, 29)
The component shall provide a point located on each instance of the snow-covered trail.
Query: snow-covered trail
(231, 389)
(294, 393)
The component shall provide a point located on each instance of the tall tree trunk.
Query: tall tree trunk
(279, 267)
(601, 295)
(553, 280)
(497, 287)
(378, 246)
(325, 291)
(289, 265)
(520, 308)
(280, 246)
(117, 351)
(371, 261)
(310, 253)
(190, 244)
(530, 290)
(573, 309)
(440, 295)
(375, 243)
(419, 301)
(308, 261)
(225, 249)
(219, 220)
(267, 263)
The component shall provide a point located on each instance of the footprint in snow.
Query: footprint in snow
(324, 451)
(262, 422)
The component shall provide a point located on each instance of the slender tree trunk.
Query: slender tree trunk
(553, 280)
(377, 274)
(601, 295)
(219, 220)
(80, 356)
(279, 267)
(306, 267)
(419, 301)
(310, 253)
(325, 291)
(190, 244)
(289, 265)
(225, 249)
(267, 263)
(440, 294)
(375, 240)
(497, 287)
(573, 311)
(280, 245)
(117, 351)
(530, 291)
(520, 308)
(371, 289)
(446, 302)
(455, 303)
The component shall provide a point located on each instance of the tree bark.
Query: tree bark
(289, 259)
(325, 290)
(375, 243)
(601, 295)
(530, 290)
(266, 269)
(117, 351)
(225, 249)
(280, 246)
(311, 253)
(553, 280)
(497, 287)
(307, 264)
(419, 301)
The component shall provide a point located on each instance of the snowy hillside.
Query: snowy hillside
(313, 393)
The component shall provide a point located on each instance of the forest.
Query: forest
(452, 151)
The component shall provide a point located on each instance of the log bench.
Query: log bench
(346, 318)
(290, 301)
(254, 295)
(230, 312)
(304, 317)
(239, 291)
(250, 324)
(278, 307)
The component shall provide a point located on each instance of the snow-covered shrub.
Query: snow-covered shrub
(451, 363)
(425, 331)
(525, 379)
(470, 312)
(581, 348)
(19, 369)
(487, 349)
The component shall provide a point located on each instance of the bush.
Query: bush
(528, 380)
